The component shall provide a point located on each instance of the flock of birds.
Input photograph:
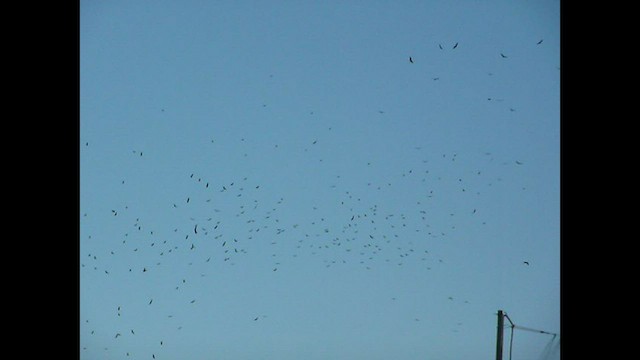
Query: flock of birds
(223, 222)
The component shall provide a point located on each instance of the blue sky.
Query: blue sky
(281, 182)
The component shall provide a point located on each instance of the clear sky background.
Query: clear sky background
(276, 179)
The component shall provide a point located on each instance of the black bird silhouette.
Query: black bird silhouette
(195, 229)
(503, 55)
(150, 301)
(410, 60)
(526, 263)
(440, 46)
(539, 42)
(455, 46)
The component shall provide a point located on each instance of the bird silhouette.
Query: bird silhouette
(455, 46)
(503, 55)
(410, 60)
(526, 263)
(539, 42)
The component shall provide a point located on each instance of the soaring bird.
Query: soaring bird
(503, 55)
(410, 60)
(440, 46)
(526, 263)
(455, 46)
(195, 229)
(539, 42)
